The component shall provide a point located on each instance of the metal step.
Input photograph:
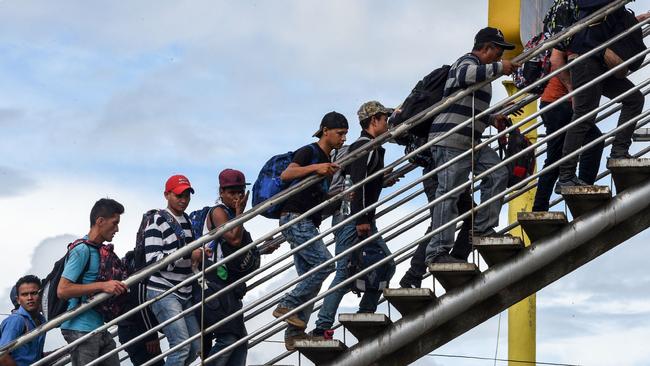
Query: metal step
(320, 352)
(495, 250)
(582, 199)
(453, 275)
(409, 300)
(363, 325)
(628, 172)
(641, 135)
(538, 225)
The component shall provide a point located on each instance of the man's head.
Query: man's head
(373, 117)
(27, 293)
(333, 129)
(232, 186)
(178, 192)
(489, 45)
(105, 218)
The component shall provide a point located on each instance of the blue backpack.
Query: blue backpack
(268, 182)
(197, 219)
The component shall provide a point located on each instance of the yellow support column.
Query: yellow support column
(505, 15)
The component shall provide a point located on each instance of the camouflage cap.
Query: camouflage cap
(369, 109)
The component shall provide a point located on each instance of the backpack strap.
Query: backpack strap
(175, 225)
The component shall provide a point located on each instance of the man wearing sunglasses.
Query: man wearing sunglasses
(483, 63)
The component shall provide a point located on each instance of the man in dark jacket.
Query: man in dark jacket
(373, 118)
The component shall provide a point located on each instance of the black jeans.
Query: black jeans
(462, 247)
(588, 100)
(555, 119)
(137, 351)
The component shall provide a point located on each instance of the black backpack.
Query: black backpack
(523, 166)
(51, 304)
(426, 93)
(360, 259)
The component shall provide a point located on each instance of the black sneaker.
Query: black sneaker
(410, 281)
(625, 155)
(447, 258)
(319, 334)
(573, 182)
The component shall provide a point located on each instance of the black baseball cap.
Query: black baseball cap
(331, 120)
(489, 34)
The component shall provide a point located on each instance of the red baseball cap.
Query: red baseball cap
(178, 184)
(232, 178)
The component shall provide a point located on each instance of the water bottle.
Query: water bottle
(346, 203)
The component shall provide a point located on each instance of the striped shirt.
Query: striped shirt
(160, 240)
(465, 72)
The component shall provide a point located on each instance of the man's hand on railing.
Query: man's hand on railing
(509, 67)
(114, 287)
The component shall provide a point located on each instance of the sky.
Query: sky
(108, 99)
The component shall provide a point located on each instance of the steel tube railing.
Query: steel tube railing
(223, 229)
(574, 91)
(427, 236)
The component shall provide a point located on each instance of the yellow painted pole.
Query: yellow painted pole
(505, 15)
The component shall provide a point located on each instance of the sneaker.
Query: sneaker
(410, 281)
(290, 341)
(625, 155)
(319, 334)
(573, 182)
(293, 319)
(447, 258)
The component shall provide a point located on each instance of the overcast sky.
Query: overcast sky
(107, 99)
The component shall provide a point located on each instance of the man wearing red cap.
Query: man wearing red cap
(169, 230)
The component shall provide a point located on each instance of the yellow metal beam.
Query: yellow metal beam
(505, 15)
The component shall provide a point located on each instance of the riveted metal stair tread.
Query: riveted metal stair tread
(538, 225)
(453, 275)
(321, 351)
(495, 250)
(583, 199)
(409, 300)
(364, 325)
(629, 172)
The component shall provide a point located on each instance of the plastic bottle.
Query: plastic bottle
(346, 203)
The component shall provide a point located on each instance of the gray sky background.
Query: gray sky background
(110, 98)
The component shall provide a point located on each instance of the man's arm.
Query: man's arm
(558, 59)
(301, 167)
(468, 73)
(74, 269)
(233, 236)
(12, 328)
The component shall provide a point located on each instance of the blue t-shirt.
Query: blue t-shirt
(74, 266)
(13, 327)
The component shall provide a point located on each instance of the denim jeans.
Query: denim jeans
(555, 119)
(90, 349)
(235, 357)
(179, 330)
(305, 259)
(345, 237)
(588, 100)
(453, 176)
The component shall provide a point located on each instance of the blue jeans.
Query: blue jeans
(304, 260)
(451, 177)
(179, 330)
(345, 238)
(236, 357)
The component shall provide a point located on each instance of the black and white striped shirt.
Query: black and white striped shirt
(160, 240)
(465, 72)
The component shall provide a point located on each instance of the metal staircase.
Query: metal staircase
(515, 272)
(428, 320)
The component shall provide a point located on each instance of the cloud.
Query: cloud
(14, 182)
